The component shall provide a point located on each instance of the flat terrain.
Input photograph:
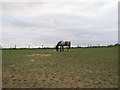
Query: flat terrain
(45, 68)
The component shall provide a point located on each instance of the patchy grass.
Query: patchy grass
(45, 68)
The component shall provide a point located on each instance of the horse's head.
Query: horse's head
(56, 47)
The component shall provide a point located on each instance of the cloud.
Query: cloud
(47, 23)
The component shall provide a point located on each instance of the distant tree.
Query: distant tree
(38, 47)
(117, 44)
(110, 45)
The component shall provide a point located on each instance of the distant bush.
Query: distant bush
(114, 45)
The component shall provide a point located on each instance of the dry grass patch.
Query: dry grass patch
(41, 55)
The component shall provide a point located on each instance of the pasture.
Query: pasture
(45, 68)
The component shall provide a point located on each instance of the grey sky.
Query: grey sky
(46, 23)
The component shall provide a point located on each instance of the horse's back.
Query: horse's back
(67, 43)
(64, 43)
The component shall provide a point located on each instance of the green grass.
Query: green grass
(83, 68)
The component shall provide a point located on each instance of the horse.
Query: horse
(62, 44)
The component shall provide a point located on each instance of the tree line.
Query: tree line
(78, 46)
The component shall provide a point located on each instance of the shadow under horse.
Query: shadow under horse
(61, 44)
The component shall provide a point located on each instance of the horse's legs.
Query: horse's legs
(58, 48)
(62, 48)
(69, 48)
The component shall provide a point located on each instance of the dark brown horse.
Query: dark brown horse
(62, 44)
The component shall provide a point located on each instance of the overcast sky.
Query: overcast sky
(46, 23)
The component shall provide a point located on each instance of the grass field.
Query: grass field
(45, 68)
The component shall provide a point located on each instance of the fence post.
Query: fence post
(15, 46)
(29, 46)
(88, 45)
